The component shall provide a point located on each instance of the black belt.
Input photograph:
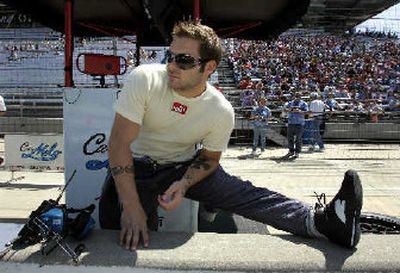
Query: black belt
(151, 165)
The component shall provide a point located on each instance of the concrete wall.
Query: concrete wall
(344, 131)
(22, 125)
(379, 131)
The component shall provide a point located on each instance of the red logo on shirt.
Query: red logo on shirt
(179, 108)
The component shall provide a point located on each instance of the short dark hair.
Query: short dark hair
(210, 45)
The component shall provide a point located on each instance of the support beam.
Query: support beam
(69, 44)
(196, 9)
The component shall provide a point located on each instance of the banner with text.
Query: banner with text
(88, 116)
(34, 152)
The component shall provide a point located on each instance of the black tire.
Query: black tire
(379, 223)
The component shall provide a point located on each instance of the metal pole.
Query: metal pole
(196, 9)
(69, 44)
(115, 53)
(138, 40)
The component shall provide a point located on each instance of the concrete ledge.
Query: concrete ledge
(228, 252)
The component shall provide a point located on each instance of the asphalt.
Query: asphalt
(378, 166)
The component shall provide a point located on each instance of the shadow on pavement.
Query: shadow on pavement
(102, 249)
(335, 256)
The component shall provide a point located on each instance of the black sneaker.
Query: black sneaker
(339, 221)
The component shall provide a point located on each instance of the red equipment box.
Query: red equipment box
(100, 64)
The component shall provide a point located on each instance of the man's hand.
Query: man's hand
(133, 227)
(294, 109)
(201, 167)
(173, 196)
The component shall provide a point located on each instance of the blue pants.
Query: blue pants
(295, 137)
(218, 191)
(317, 139)
(259, 133)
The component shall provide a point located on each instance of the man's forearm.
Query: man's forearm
(123, 172)
(198, 170)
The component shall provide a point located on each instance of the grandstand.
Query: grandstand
(338, 16)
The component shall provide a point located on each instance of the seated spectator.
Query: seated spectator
(374, 110)
(343, 93)
(332, 103)
(358, 107)
(245, 83)
(361, 95)
(376, 95)
(248, 99)
(389, 96)
(394, 103)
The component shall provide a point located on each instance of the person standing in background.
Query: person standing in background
(296, 110)
(3, 110)
(3, 107)
(259, 118)
(317, 109)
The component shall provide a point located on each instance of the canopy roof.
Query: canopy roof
(152, 20)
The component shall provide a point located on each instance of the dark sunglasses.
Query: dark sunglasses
(183, 61)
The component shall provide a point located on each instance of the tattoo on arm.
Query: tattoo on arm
(201, 163)
(119, 170)
(198, 163)
(188, 177)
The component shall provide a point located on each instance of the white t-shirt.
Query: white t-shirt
(317, 107)
(2, 105)
(172, 125)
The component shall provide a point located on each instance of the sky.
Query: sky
(386, 21)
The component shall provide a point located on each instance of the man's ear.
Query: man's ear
(210, 67)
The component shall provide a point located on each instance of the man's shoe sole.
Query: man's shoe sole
(353, 213)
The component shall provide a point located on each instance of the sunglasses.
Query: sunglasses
(183, 61)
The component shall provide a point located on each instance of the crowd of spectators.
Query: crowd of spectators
(12, 51)
(351, 72)
(376, 34)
